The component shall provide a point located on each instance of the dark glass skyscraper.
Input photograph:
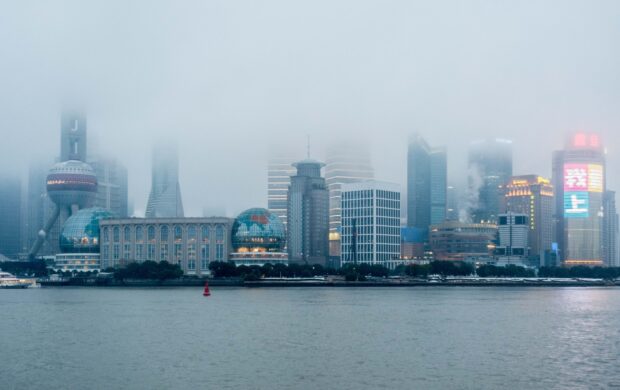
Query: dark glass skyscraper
(308, 215)
(10, 217)
(426, 185)
(579, 181)
(165, 197)
(610, 230)
(490, 168)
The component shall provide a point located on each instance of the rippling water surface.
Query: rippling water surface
(311, 338)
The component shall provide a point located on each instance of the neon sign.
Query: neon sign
(576, 204)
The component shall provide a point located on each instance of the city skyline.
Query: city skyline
(228, 84)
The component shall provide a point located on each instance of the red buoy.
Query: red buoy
(206, 293)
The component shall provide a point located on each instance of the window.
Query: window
(139, 234)
(205, 233)
(116, 252)
(150, 254)
(117, 234)
(126, 234)
(178, 233)
(219, 233)
(163, 252)
(106, 236)
(151, 233)
(178, 252)
(219, 252)
(139, 249)
(164, 233)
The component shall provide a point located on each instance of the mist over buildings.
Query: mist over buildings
(235, 82)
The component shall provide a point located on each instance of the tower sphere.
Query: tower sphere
(72, 182)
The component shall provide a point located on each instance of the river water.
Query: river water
(310, 338)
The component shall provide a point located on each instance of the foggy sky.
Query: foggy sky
(233, 80)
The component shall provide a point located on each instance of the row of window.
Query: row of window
(136, 252)
(164, 233)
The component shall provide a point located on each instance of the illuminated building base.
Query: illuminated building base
(589, 263)
(77, 262)
(259, 258)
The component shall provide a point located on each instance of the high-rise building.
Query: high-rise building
(579, 181)
(452, 204)
(426, 185)
(279, 174)
(345, 163)
(308, 215)
(490, 168)
(533, 196)
(112, 190)
(73, 136)
(165, 197)
(370, 223)
(513, 235)
(10, 217)
(610, 230)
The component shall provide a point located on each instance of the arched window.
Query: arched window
(191, 233)
(178, 233)
(205, 233)
(164, 233)
(106, 236)
(127, 234)
(139, 233)
(117, 234)
(151, 233)
(219, 233)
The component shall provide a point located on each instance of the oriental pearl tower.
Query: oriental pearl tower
(71, 183)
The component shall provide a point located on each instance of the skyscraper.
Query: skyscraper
(73, 136)
(10, 217)
(533, 196)
(165, 197)
(279, 172)
(490, 168)
(345, 163)
(370, 223)
(427, 185)
(308, 214)
(579, 181)
(610, 230)
(112, 190)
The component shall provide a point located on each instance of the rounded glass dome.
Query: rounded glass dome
(258, 230)
(80, 233)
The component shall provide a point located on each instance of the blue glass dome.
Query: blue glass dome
(258, 230)
(80, 233)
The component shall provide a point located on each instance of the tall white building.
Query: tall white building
(370, 223)
(513, 238)
(279, 172)
(345, 163)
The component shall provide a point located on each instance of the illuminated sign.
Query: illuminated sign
(583, 177)
(595, 178)
(583, 140)
(576, 204)
(575, 177)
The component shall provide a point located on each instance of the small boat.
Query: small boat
(8, 280)
(206, 292)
